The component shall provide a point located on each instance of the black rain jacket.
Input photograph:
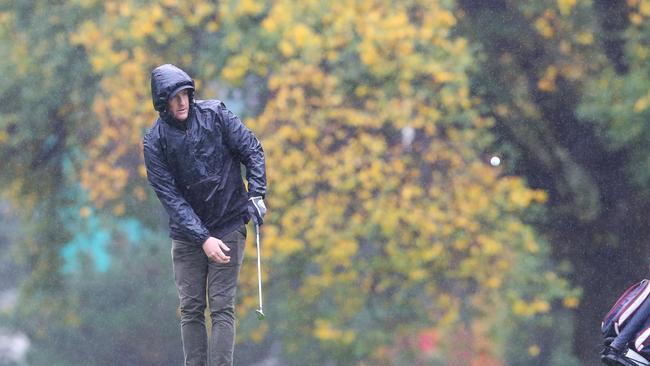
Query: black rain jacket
(194, 166)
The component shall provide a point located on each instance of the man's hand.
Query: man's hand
(257, 209)
(214, 249)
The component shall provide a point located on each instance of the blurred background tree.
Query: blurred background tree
(566, 86)
(392, 239)
(46, 87)
(384, 210)
(364, 125)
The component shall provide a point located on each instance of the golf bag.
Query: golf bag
(638, 352)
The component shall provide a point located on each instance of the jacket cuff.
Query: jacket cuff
(202, 238)
(252, 194)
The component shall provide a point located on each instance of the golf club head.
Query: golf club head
(260, 314)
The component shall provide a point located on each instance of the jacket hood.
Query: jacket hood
(166, 81)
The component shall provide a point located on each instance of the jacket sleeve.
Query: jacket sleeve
(243, 142)
(179, 211)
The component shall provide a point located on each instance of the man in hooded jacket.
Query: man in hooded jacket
(193, 155)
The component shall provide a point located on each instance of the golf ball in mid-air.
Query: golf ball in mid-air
(495, 161)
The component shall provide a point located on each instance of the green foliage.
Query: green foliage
(620, 103)
(565, 83)
(125, 315)
(47, 85)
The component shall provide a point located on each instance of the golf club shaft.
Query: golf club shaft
(259, 262)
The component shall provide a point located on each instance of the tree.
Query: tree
(125, 315)
(46, 87)
(551, 74)
(383, 215)
(385, 220)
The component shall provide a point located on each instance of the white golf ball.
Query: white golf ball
(495, 161)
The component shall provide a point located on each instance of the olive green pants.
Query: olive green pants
(193, 275)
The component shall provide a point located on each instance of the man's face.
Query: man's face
(179, 105)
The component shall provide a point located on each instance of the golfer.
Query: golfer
(193, 154)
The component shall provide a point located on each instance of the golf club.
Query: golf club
(260, 311)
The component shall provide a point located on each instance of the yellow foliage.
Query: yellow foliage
(544, 27)
(258, 334)
(529, 309)
(344, 87)
(248, 7)
(236, 68)
(324, 330)
(644, 7)
(547, 82)
(585, 38)
(571, 302)
(642, 104)
(566, 6)
(534, 350)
